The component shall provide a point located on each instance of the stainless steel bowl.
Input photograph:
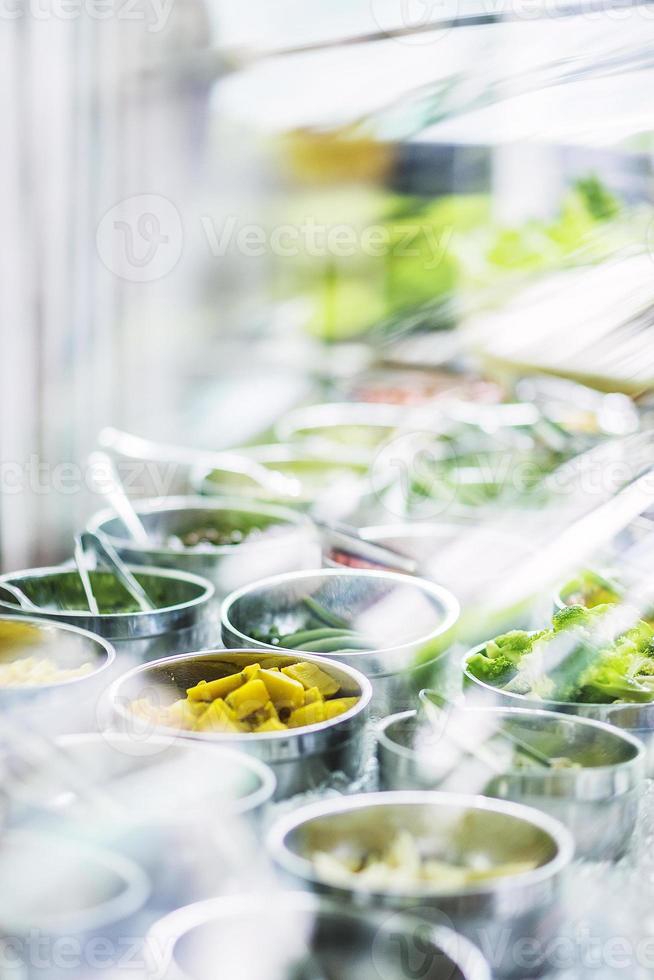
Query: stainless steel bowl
(53, 886)
(139, 776)
(299, 935)
(598, 802)
(412, 621)
(319, 474)
(500, 915)
(184, 620)
(288, 542)
(636, 719)
(302, 758)
(68, 646)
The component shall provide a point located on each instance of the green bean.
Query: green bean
(295, 640)
(324, 615)
(332, 644)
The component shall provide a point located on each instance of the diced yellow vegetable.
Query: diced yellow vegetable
(338, 707)
(271, 725)
(248, 698)
(310, 675)
(284, 691)
(310, 714)
(210, 690)
(218, 718)
(182, 715)
(264, 714)
(254, 700)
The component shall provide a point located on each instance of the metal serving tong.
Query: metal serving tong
(347, 537)
(134, 447)
(434, 704)
(106, 554)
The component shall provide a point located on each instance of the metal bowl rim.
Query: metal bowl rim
(190, 578)
(126, 903)
(335, 414)
(169, 929)
(448, 601)
(302, 867)
(42, 621)
(611, 731)
(153, 505)
(251, 801)
(248, 737)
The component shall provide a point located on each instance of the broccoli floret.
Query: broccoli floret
(641, 635)
(493, 670)
(512, 645)
(608, 686)
(569, 617)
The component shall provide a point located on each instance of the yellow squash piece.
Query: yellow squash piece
(251, 672)
(312, 695)
(310, 714)
(247, 699)
(338, 707)
(284, 691)
(310, 675)
(183, 714)
(219, 718)
(271, 725)
(210, 690)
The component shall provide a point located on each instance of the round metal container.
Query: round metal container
(185, 619)
(296, 931)
(319, 475)
(358, 429)
(499, 915)
(53, 886)
(374, 602)
(288, 542)
(68, 646)
(302, 758)
(156, 780)
(598, 802)
(636, 719)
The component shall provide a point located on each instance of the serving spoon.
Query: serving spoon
(112, 489)
(109, 556)
(23, 601)
(135, 447)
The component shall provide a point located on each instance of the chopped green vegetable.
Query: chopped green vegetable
(578, 660)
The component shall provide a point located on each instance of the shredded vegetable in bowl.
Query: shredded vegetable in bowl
(401, 865)
(36, 671)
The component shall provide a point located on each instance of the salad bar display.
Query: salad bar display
(261, 668)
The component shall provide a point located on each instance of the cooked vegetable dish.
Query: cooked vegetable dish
(402, 864)
(587, 656)
(256, 699)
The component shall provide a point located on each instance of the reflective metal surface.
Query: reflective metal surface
(137, 774)
(297, 932)
(301, 758)
(411, 621)
(597, 802)
(636, 719)
(495, 914)
(288, 540)
(68, 646)
(185, 617)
